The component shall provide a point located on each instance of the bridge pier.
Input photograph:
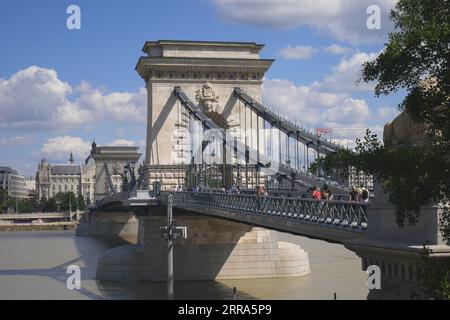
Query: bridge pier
(398, 250)
(214, 249)
(108, 224)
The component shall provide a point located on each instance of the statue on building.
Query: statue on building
(207, 98)
(404, 129)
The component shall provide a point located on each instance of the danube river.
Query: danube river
(33, 266)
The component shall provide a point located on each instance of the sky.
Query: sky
(61, 88)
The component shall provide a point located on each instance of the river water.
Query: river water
(33, 266)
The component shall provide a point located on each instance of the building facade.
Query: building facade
(52, 179)
(87, 179)
(360, 178)
(109, 167)
(30, 183)
(12, 182)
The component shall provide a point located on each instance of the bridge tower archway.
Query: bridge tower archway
(109, 162)
(207, 73)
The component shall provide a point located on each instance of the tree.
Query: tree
(49, 205)
(81, 205)
(67, 201)
(417, 59)
(4, 199)
(418, 50)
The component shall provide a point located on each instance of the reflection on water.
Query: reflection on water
(33, 266)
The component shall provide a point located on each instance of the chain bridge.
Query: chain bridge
(211, 143)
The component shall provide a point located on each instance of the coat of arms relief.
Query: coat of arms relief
(207, 98)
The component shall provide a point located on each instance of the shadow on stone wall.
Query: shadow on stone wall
(215, 249)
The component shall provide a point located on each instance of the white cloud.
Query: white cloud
(59, 148)
(385, 114)
(346, 73)
(297, 52)
(31, 97)
(36, 99)
(312, 107)
(17, 140)
(329, 102)
(117, 106)
(123, 143)
(345, 20)
(315, 107)
(337, 49)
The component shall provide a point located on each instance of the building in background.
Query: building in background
(30, 183)
(52, 179)
(12, 182)
(87, 179)
(360, 179)
(110, 163)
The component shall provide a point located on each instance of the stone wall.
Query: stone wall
(214, 249)
(108, 224)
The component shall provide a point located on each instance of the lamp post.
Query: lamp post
(171, 233)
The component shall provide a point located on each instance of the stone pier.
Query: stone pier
(214, 249)
(108, 224)
(397, 250)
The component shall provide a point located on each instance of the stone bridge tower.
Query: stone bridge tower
(207, 72)
(108, 161)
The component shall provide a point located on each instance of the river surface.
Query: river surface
(33, 266)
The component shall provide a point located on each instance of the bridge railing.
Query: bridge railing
(113, 197)
(334, 213)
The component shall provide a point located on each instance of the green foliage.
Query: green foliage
(418, 49)
(49, 205)
(66, 200)
(417, 59)
(81, 204)
(3, 200)
(434, 274)
(8, 203)
(413, 176)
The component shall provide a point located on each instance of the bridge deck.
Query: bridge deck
(330, 220)
(335, 221)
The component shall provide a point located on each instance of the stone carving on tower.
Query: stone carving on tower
(207, 98)
(209, 101)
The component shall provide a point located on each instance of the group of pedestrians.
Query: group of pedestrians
(356, 194)
(359, 194)
(322, 194)
(177, 188)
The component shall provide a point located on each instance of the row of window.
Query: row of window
(72, 180)
(72, 187)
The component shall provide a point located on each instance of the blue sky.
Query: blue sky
(83, 85)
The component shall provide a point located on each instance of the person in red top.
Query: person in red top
(316, 194)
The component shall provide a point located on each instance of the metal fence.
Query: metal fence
(338, 213)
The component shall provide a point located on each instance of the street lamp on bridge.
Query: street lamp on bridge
(170, 233)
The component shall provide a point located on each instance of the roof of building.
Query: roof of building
(201, 43)
(8, 170)
(65, 169)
